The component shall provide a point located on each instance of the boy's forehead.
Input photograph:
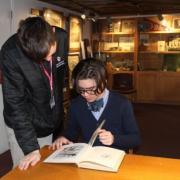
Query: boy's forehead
(86, 83)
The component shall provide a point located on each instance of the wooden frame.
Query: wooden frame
(54, 18)
(74, 34)
(73, 60)
(176, 23)
(35, 12)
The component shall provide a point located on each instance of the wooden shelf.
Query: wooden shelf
(117, 52)
(160, 52)
(161, 32)
(114, 71)
(117, 33)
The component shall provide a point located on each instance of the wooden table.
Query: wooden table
(133, 167)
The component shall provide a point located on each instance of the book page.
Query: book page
(95, 134)
(102, 158)
(69, 154)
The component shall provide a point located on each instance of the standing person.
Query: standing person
(33, 64)
(94, 104)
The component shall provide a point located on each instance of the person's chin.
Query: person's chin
(89, 100)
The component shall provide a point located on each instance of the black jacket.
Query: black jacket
(26, 92)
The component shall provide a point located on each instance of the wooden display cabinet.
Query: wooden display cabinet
(159, 51)
(158, 61)
(146, 86)
(158, 87)
(159, 44)
(169, 88)
(116, 42)
(147, 48)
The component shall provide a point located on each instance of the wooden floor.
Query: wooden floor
(160, 132)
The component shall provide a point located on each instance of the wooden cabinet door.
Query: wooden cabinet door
(169, 87)
(147, 86)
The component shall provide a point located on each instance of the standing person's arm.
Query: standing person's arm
(61, 80)
(70, 133)
(16, 111)
(72, 129)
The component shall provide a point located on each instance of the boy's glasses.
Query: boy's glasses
(91, 90)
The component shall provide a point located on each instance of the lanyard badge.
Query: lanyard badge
(50, 78)
(52, 102)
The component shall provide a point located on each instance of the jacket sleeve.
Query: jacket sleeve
(130, 137)
(66, 70)
(72, 129)
(16, 112)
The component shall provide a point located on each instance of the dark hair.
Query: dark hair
(90, 69)
(36, 37)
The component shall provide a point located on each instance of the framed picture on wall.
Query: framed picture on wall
(128, 26)
(35, 12)
(117, 26)
(176, 23)
(74, 34)
(54, 18)
(73, 59)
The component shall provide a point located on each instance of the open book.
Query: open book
(86, 156)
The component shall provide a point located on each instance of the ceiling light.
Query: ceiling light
(83, 16)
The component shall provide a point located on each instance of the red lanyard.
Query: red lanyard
(49, 76)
